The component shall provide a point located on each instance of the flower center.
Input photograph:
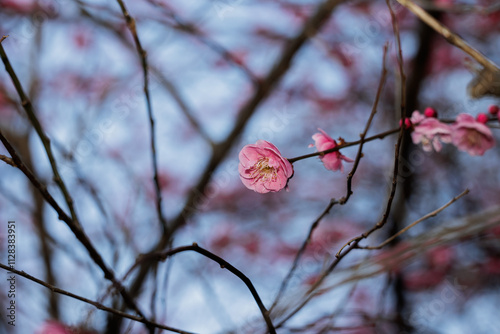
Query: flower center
(473, 138)
(261, 171)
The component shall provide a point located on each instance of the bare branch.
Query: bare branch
(427, 216)
(448, 35)
(143, 57)
(88, 301)
(344, 199)
(74, 227)
(161, 256)
(7, 160)
(353, 243)
(30, 111)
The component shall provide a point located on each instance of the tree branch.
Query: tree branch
(30, 111)
(88, 301)
(143, 57)
(74, 227)
(448, 35)
(427, 216)
(344, 199)
(161, 256)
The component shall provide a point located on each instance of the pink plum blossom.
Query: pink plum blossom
(417, 117)
(471, 136)
(333, 160)
(262, 167)
(429, 132)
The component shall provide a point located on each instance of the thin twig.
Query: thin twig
(30, 111)
(143, 57)
(72, 222)
(400, 61)
(448, 35)
(176, 95)
(88, 301)
(192, 30)
(74, 227)
(3, 38)
(309, 293)
(300, 252)
(397, 151)
(381, 135)
(344, 199)
(7, 160)
(154, 71)
(224, 265)
(427, 216)
(470, 226)
(382, 222)
(362, 136)
(353, 243)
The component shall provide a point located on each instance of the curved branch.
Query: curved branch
(161, 256)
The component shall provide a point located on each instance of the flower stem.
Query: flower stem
(346, 144)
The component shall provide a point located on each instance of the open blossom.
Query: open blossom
(471, 136)
(429, 132)
(262, 167)
(333, 160)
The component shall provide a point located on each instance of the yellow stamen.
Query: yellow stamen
(261, 171)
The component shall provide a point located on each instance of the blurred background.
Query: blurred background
(223, 74)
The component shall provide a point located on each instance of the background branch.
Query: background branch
(143, 57)
(427, 216)
(88, 301)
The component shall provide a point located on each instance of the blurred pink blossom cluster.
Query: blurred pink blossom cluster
(467, 133)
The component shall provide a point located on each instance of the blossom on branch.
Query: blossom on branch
(263, 169)
(333, 160)
(471, 136)
(429, 132)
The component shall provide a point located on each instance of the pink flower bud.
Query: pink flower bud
(430, 112)
(407, 123)
(493, 109)
(482, 118)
